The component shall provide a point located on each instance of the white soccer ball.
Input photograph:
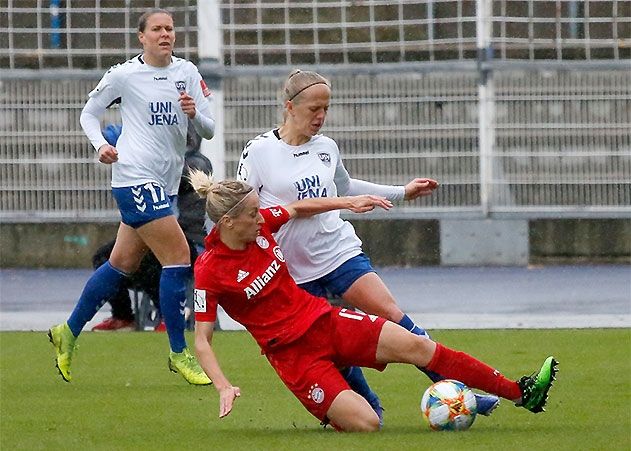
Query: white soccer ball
(449, 405)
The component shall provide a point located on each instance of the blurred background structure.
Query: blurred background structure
(520, 108)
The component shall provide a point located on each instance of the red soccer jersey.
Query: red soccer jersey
(254, 286)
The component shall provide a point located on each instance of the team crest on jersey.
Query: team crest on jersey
(278, 253)
(262, 242)
(325, 158)
(199, 300)
(180, 86)
(316, 394)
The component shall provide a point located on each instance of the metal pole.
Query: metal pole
(55, 24)
(486, 102)
(211, 67)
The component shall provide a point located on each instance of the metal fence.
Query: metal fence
(92, 34)
(562, 138)
(562, 141)
(83, 34)
(324, 32)
(557, 138)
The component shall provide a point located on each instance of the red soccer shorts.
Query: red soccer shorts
(309, 366)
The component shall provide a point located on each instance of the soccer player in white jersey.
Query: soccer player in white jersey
(323, 252)
(158, 94)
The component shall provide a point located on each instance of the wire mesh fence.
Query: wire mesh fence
(84, 34)
(561, 143)
(562, 140)
(99, 33)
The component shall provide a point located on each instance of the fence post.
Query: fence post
(486, 102)
(55, 24)
(209, 40)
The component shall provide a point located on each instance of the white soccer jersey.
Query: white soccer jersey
(282, 174)
(153, 141)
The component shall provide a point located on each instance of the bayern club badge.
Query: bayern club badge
(316, 394)
(278, 253)
(262, 242)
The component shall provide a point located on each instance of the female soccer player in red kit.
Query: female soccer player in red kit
(305, 339)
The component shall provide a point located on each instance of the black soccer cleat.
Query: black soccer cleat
(535, 388)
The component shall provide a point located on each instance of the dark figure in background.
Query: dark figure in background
(147, 279)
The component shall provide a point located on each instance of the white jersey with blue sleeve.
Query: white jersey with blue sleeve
(153, 140)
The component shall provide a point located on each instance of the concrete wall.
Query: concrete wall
(584, 240)
(52, 245)
(391, 242)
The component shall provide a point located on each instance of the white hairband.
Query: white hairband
(238, 203)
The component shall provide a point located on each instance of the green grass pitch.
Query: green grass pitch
(123, 397)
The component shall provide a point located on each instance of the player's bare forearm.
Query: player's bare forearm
(356, 204)
(209, 363)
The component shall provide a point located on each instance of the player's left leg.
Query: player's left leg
(398, 345)
(370, 294)
(100, 287)
(167, 242)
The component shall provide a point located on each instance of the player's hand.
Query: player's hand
(187, 103)
(108, 154)
(226, 399)
(420, 187)
(368, 202)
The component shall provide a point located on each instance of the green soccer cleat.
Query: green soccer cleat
(534, 388)
(64, 342)
(186, 364)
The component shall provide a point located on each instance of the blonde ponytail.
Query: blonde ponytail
(221, 197)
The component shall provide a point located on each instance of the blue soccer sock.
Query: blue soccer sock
(173, 283)
(100, 287)
(355, 378)
(408, 324)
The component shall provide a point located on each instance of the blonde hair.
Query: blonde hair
(297, 81)
(222, 198)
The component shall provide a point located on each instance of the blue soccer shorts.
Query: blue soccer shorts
(338, 281)
(141, 204)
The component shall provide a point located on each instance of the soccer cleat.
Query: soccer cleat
(486, 403)
(64, 342)
(534, 388)
(114, 324)
(186, 364)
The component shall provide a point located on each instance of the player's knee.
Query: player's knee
(414, 349)
(177, 256)
(127, 264)
(421, 350)
(360, 422)
(372, 425)
(369, 423)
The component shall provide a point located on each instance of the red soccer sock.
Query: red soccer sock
(472, 372)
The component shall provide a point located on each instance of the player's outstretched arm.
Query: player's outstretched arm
(208, 361)
(356, 204)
